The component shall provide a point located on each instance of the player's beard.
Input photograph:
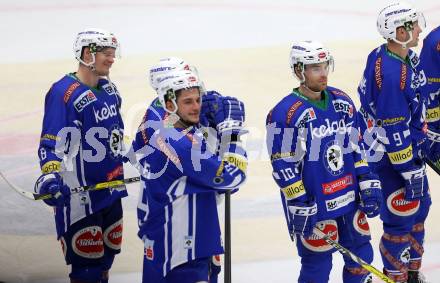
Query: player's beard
(187, 123)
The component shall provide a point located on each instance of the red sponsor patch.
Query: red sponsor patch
(321, 55)
(113, 235)
(118, 171)
(403, 77)
(88, 242)
(399, 206)
(149, 253)
(360, 223)
(316, 244)
(312, 113)
(216, 260)
(291, 111)
(370, 123)
(70, 90)
(114, 40)
(91, 95)
(377, 74)
(337, 185)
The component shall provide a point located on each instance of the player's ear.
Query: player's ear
(297, 70)
(401, 33)
(86, 55)
(169, 105)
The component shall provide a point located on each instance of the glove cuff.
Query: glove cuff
(369, 184)
(304, 210)
(229, 125)
(414, 174)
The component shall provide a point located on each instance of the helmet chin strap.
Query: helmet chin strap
(91, 65)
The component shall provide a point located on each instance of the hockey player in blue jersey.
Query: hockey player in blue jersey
(182, 176)
(314, 145)
(81, 144)
(390, 95)
(430, 64)
(156, 117)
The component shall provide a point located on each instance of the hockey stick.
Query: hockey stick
(434, 165)
(355, 258)
(95, 187)
(228, 277)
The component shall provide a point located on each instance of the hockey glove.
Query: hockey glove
(230, 116)
(414, 182)
(371, 195)
(52, 183)
(303, 216)
(209, 108)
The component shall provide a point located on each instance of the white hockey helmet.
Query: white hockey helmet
(95, 39)
(400, 14)
(173, 81)
(309, 52)
(164, 66)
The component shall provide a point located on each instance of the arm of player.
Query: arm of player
(56, 140)
(286, 147)
(394, 115)
(223, 173)
(370, 188)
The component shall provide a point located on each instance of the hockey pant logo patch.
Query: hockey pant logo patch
(88, 242)
(401, 207)
(360, 223)
(317, 244)
(113, 235)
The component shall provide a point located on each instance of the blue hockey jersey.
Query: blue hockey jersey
(82, 138)
(177, 210)
(430, 65)
(390, 99)
(314, 151)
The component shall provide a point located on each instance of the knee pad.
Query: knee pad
(89, 273)
(416, 238)
(315, 268)
(395, 252)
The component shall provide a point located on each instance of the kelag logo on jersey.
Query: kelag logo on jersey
(307, 116)
(343, 106)
(333, 159)
(83, 100)
(105, 112)
(335, 127)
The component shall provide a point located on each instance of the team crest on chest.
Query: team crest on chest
(333, 158)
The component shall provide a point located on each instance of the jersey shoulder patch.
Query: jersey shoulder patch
(286, 110)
